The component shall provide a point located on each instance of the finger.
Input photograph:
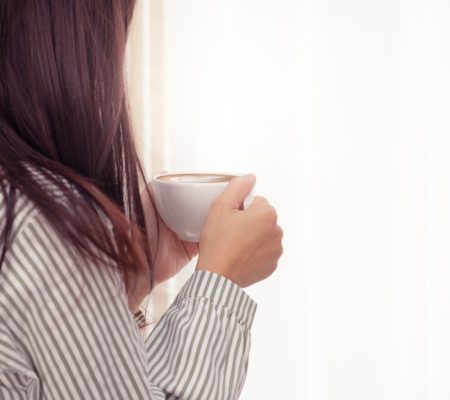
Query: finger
(257, 200)
(237, 190)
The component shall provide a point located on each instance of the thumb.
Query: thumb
(237, 190)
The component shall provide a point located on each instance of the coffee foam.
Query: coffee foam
(196, 178)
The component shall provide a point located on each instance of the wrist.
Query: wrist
(217, 269)
(221, 291)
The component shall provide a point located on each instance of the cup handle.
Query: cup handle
(248, 200)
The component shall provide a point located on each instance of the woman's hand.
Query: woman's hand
(241, 245)
(172, 253)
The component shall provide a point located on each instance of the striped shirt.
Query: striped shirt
(66, 331)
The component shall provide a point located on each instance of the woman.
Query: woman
(81, 244)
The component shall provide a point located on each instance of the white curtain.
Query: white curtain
(145, 78)
(341, 109)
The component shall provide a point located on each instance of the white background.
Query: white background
(341, 109)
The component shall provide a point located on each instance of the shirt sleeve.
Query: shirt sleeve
(70, 321)
(200, 348)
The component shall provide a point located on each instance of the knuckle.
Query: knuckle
(280, 252)
(272, 213)
(269, 220)
(259, 199)
(280, 233)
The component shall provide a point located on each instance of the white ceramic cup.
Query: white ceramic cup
(184, 204)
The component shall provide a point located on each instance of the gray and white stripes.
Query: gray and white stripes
(66, 331)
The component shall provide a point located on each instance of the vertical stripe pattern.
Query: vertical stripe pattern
(66, 331)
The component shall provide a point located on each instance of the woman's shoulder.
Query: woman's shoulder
(46, 287)
(23, 210)
(41, 268)
(24, 207)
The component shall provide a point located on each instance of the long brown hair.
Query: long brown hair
(63, 111)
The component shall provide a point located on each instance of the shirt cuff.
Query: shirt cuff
(221, 291)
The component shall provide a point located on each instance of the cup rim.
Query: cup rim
(155, 178)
